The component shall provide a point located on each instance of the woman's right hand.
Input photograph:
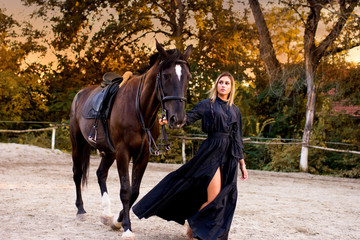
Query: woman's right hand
(162, 121)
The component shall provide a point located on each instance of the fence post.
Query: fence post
(183, 151)
(53, 139)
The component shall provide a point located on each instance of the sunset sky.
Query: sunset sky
(22, 13)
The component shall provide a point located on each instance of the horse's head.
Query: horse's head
(172, 83)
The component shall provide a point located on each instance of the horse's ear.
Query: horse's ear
(161, 50)
(188, 52)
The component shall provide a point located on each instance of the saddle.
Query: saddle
(111, 77)
(99, 104)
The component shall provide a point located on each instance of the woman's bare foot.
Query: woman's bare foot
(189, 234)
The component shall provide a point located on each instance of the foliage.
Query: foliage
(327, 131)
(285, 26)
(23, 97)
(22, 93)
(257, 156)
(284, 157)
(62, 138)
(40, 139)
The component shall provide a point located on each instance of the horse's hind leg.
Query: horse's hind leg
(80, 156)
(102, 173)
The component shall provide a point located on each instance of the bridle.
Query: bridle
(153, 148)
(160, 90)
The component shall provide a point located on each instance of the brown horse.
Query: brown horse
(133, 129)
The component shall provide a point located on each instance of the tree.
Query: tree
(224, 43)
(22, 93)
(338, 15)
(109, 35)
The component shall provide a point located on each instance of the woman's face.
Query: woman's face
(224, 87)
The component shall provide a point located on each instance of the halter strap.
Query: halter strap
(161, 94)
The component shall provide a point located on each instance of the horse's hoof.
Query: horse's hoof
(81, 217)
(106, 220)
(128, 235)
(115, 225)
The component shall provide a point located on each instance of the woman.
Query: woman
(203, 191)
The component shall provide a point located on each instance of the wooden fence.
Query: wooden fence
(248, 140)
(52, 128)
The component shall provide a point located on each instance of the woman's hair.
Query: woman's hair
(213, 91)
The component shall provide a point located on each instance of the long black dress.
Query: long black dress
(179, 196)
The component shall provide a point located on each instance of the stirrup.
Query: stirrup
(92, 138)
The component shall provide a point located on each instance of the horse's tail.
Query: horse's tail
(81, 159)
(85, 163)
(81, 150)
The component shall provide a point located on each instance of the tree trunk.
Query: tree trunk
(266, 48)
(310, 114)
(310, 66)
(177, 18)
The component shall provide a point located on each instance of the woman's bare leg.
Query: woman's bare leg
(189, 233)
(213, 190)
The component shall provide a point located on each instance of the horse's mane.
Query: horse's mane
(174, 54)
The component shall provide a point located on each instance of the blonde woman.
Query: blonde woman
(203, 191)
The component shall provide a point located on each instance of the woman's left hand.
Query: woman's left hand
(244, 173)
(162, 121)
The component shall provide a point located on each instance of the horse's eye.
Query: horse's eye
(167, 76)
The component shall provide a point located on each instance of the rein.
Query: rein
(153, 148)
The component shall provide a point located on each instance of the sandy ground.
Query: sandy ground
(37, 202)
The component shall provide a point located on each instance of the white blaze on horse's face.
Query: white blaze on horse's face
(178, 71)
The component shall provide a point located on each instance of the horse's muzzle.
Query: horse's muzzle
(174, 123)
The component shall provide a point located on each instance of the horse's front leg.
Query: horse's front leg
(122, 161)
(138, 169)
(107, 159)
